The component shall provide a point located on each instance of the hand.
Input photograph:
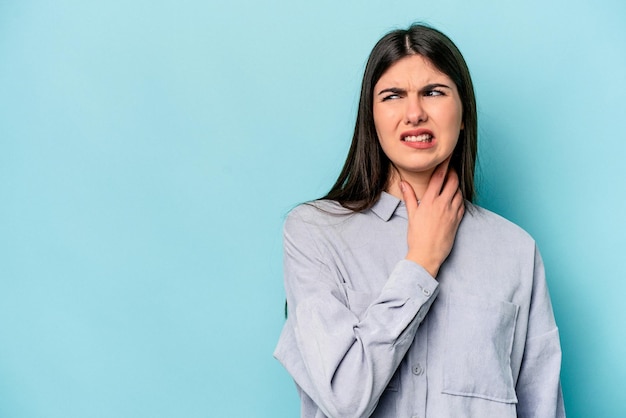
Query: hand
(433, 222)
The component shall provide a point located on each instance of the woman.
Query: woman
(404, 298)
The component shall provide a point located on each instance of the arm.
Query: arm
(342, 361)
(538, 386)
(345, 362)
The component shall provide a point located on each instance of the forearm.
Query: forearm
(349, 360)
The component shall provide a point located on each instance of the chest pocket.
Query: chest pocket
(479, 340)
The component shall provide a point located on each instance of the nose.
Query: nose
(415, 112)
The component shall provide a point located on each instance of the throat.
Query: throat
(417, 181)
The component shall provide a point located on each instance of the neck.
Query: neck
(418, 181)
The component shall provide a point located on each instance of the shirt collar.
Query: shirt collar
(386, 205)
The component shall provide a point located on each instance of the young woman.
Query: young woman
(404, 298)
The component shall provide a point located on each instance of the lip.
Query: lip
(418, 145)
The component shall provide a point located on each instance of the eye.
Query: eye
(392, 93)
(390, 97)
(434, 92)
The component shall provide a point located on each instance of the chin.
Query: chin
(418, 169)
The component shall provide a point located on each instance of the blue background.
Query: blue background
(150, 150)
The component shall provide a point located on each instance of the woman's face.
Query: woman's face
(417, 114)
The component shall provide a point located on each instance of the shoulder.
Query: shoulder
(316, 213)
(494, 251)
(484, 225)
(314, 227)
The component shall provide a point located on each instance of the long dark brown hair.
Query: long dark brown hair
(366, 170)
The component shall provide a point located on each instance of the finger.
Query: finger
(452, 183)
(461, 211)
(457, 199)
(408, 194)
(436, 180)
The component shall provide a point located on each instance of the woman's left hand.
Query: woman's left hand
(434, 221)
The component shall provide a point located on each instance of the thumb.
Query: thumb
(410, 200)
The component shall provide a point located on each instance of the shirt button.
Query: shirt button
(418, 369)
(426, 292)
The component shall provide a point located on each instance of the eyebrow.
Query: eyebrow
(392, 90)
(427, 87)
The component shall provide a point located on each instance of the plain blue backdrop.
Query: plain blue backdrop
(149, 151)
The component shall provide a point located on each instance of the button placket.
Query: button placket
(418, 363)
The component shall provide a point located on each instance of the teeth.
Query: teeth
(419, 138)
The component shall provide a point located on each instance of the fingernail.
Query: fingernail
(402, 186)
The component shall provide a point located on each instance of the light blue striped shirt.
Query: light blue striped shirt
(372, 334)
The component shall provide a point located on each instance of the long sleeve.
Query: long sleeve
(538, 386)
(371, 334)
(341, 358)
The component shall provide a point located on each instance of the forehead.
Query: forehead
(413, 69)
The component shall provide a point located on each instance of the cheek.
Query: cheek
(453, 119)
(385, 117)
(459, 114)
(382, 127)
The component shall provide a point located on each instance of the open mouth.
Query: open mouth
(426, 138)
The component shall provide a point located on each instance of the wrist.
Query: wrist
(430, 266)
